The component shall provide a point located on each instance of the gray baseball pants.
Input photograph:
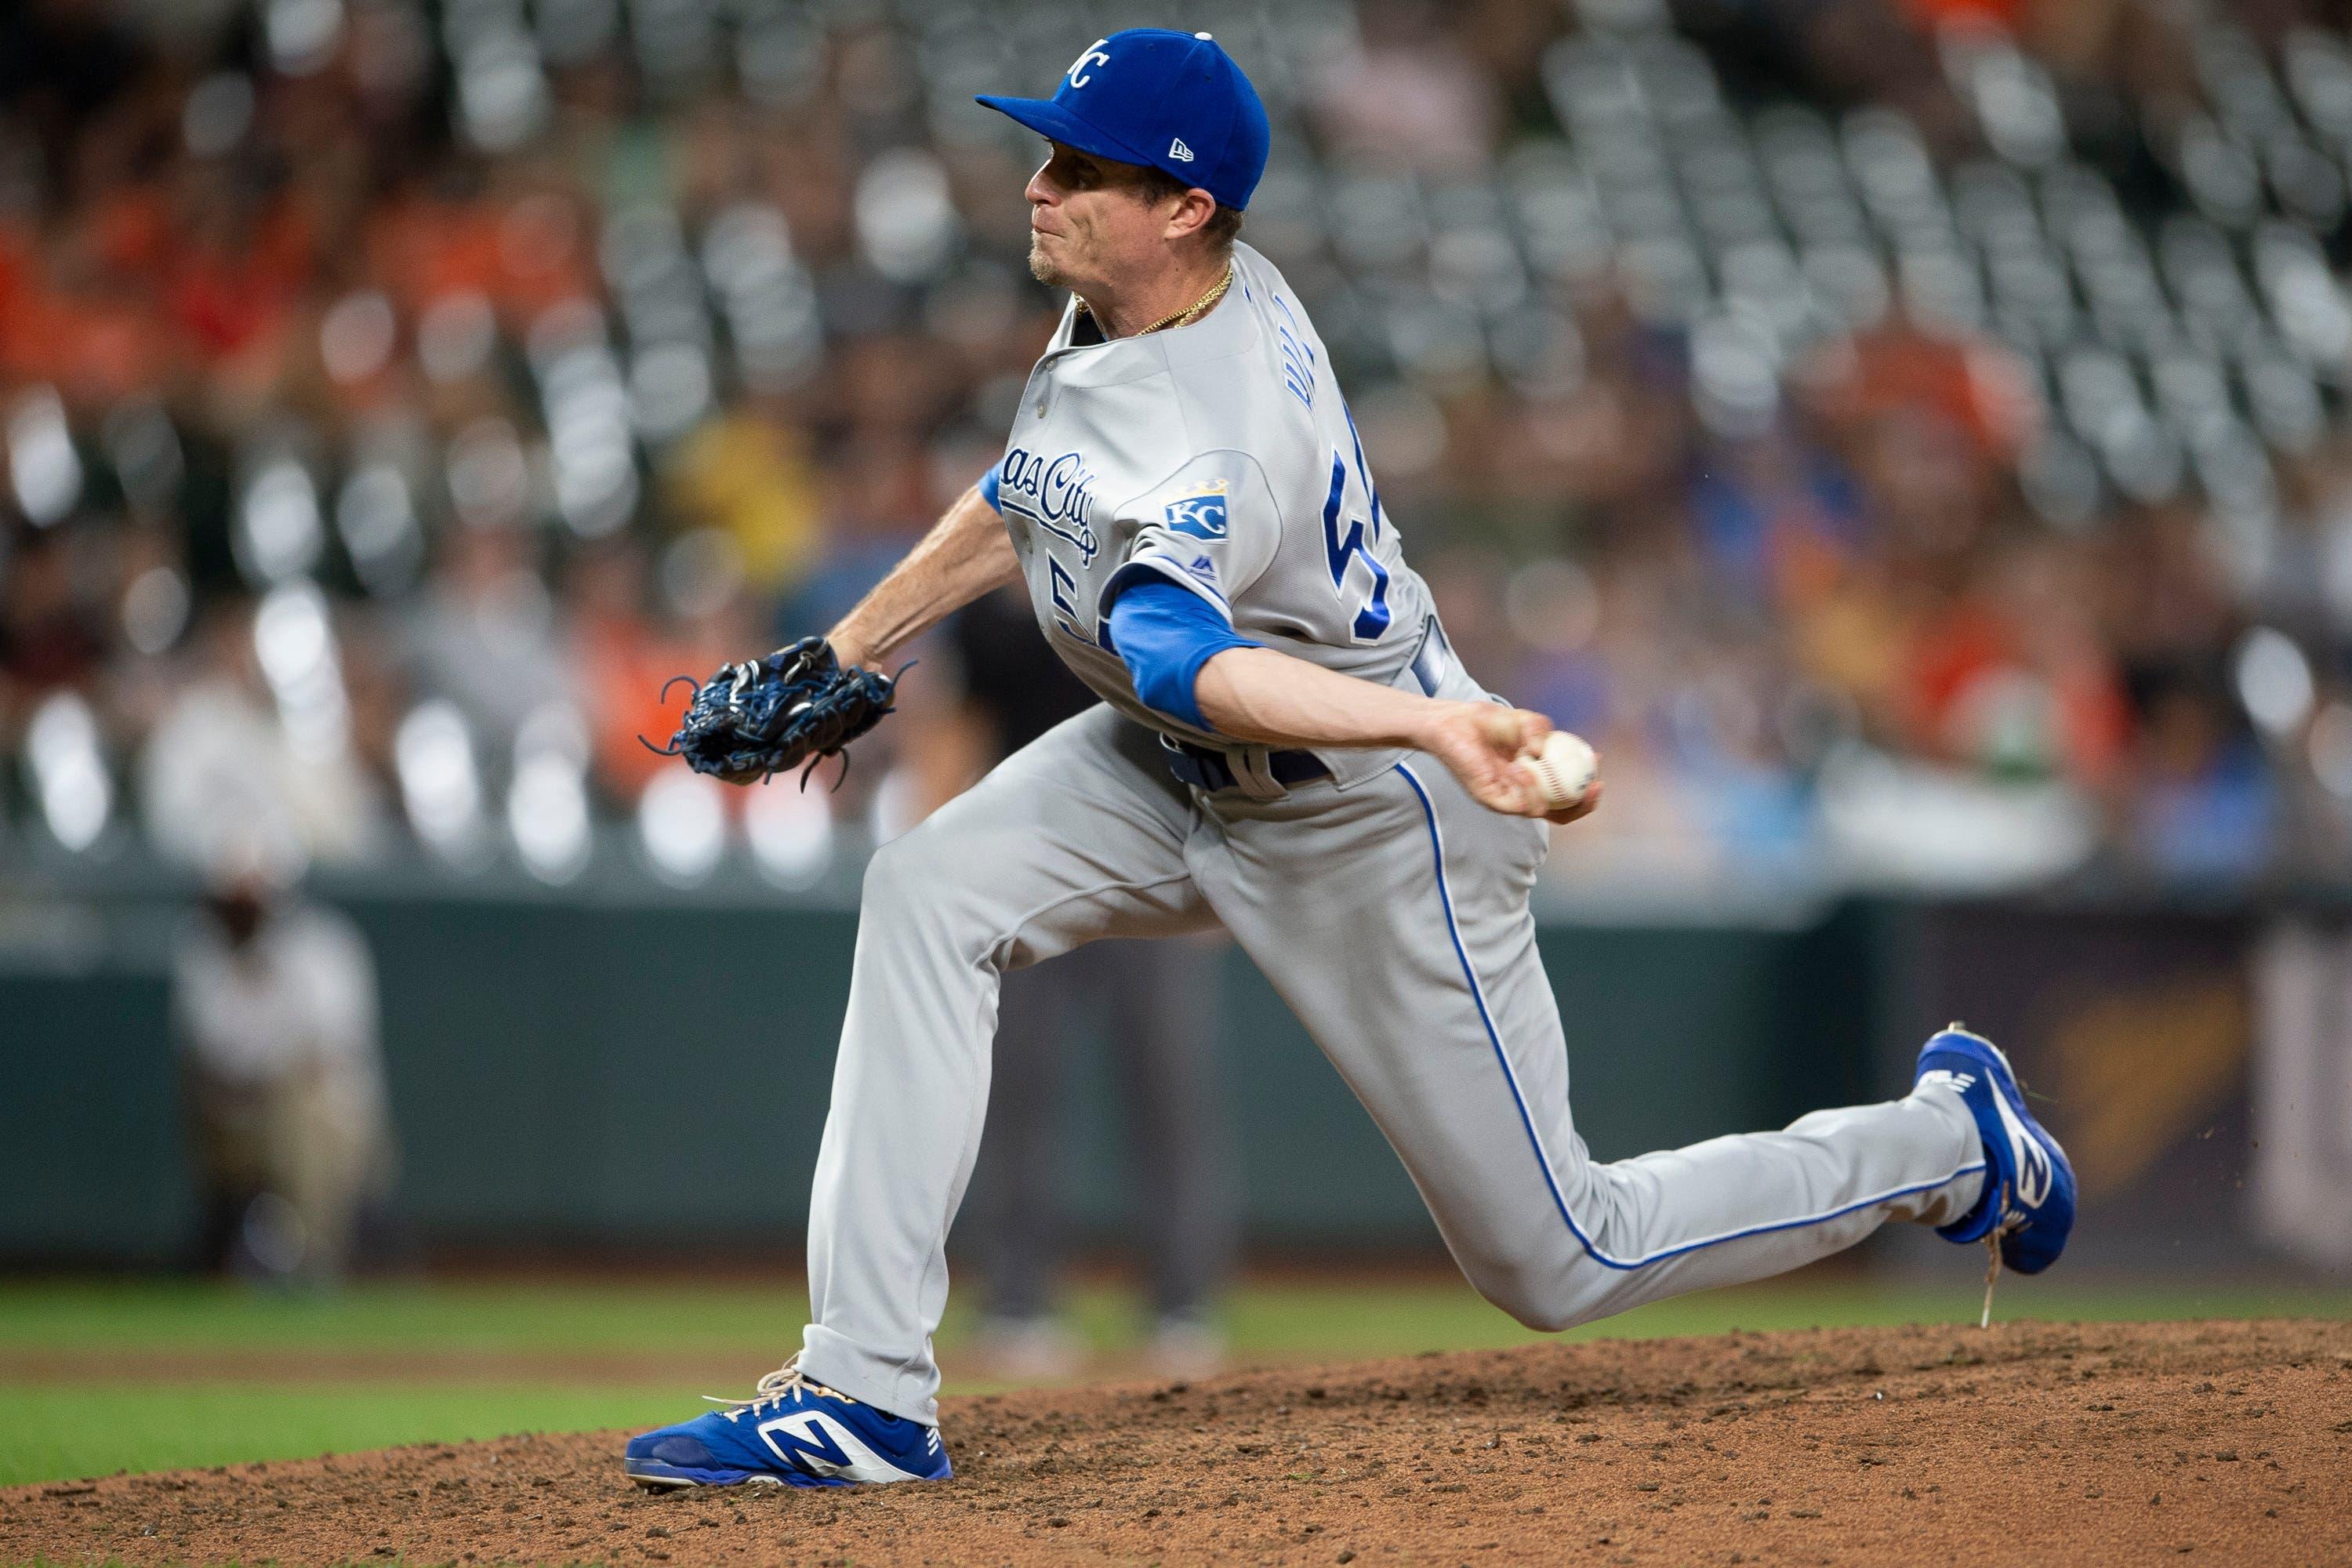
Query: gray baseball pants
(1392, 916)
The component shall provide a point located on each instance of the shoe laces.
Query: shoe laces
(2012, 1221)
(782, 1386)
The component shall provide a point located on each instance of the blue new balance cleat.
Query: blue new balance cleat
(2029, 1193)
(789, 1433)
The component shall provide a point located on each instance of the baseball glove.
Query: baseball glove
(798, 706)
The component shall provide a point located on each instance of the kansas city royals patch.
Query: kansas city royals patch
(1199, 512)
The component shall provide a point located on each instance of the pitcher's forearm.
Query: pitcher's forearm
(1270, 699)
(966, 554)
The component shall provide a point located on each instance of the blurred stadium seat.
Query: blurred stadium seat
(1908, 438)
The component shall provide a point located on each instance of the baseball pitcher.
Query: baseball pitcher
(1287, 747)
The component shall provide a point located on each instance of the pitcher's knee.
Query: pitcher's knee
(922, 888)
(1549, 1291)
(921, 869)
(894, 876)
(1544, 1316)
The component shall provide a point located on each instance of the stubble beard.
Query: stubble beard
(1041, 266)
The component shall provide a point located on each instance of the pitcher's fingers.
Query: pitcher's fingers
(1502, 785)
(1581, 809)
(1498, 729)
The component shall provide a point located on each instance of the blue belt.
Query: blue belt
(1205, 769)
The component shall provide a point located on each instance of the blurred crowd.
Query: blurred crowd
(1906, 436)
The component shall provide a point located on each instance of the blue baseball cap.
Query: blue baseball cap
(1174, 100)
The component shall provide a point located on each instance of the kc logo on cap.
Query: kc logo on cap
(1077, 73)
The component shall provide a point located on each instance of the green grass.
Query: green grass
(80, 1422)
(484, 1319)
(1327, 1323)
(89, 1429)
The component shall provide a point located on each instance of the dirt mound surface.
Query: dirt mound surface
(2080, 1444)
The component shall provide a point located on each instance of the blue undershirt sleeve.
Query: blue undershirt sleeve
(1164, 634)
(988, 482)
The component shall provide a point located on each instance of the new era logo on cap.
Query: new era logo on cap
(1178, 150)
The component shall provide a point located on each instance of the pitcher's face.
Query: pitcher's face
(1089, 221)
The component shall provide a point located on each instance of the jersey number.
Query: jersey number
(1343, 540)
(1064, 589)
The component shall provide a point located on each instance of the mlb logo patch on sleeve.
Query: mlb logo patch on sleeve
(1199, 512)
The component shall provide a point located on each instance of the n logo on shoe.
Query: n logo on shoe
(814, 1442)
(2034, 1173)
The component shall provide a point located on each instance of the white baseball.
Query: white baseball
(1563, 771)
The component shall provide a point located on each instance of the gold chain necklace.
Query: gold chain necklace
(1185, 316)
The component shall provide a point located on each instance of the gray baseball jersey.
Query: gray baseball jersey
(1221, 457)
(1385, 904)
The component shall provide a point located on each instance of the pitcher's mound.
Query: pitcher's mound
(2080, 1444)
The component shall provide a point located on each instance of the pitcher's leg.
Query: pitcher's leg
(1395, 922)
(1076, 836)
